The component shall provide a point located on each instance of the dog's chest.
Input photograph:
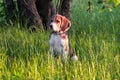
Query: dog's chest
(58, 44)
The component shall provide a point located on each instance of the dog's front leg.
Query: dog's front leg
(51, 48)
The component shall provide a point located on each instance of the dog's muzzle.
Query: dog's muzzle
(51, 27)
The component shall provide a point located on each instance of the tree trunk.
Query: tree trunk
(46, 10)
(39, 12)
(66, 8)
(28, 13)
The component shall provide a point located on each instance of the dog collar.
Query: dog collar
(58, 33)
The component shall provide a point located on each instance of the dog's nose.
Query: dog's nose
(51, 27)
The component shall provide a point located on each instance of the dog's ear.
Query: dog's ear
(65, 24)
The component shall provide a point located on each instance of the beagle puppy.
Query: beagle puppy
(59, 43)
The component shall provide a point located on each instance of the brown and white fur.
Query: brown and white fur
(59, 43)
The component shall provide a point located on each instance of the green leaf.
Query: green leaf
(116, 2)
(101, 10)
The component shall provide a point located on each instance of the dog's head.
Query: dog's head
(60, 24)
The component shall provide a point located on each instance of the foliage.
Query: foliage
(110, 4)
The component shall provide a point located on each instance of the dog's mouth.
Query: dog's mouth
(51, 27)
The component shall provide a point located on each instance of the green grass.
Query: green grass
(95, 38)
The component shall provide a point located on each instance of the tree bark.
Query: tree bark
(28, 13)
(37, 12)
(66, 8)
(46, 10)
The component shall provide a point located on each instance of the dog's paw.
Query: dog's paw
(75, 58)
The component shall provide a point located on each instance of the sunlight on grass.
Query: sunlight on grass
(24, 55)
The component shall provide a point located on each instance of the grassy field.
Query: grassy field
(95, 38)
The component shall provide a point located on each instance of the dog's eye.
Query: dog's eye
(57, 21)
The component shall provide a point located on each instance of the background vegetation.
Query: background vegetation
(95, 37)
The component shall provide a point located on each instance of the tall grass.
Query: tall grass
(95, 38)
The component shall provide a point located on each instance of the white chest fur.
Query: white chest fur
(58, 45)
